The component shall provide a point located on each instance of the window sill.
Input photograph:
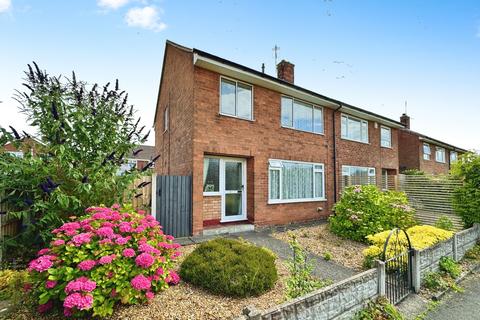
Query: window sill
(235, 117)
(442, 162)
(291, 128)
(295, 201)
(212, 194)
(387, 147)
(347, 139)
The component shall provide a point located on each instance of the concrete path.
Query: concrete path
(461, 305)
(323, 269)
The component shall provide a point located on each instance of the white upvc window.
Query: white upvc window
(354, 129)
(358, 175)
(385, 137)
(301, 116)
(453, 156)
(211, 176)
(295, 181)
(440, 154)
(18, 154)
(236, 99)
(426, 151)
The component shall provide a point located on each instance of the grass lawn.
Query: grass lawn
(319, 240)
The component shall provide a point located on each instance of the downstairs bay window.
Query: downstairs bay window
(295, 181)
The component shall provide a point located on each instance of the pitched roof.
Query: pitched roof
(435, 141)
(146, 152)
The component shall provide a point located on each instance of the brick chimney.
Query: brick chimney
(285, 71)
(405, 120)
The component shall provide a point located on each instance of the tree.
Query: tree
(87, 132)
(466, 199)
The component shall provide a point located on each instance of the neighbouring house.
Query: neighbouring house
(262, 150)
(29, 144)
(417, 151)
(139, 158)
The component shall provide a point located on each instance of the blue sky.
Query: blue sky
(372, 54)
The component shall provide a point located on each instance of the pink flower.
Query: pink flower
(81, 238)
(121, 241)
(58, 242)
(159, 271)
(81, 284)
(125, 227)
(113, 293)
(144, 260)
(105, 232)
(70, 226)
(99, 216)
(169, 237)
(115, 206)
(79, 301)
(106, 259)
(173, 278)
(50, 284)
(140, 282)
(43, 251)
(107, 224)
(40, 264)
(45, 307)
(105, 241)
(149, 295)
(67, 312)
(86, 265)
(142, 212)
(145, 247)
(129, 252)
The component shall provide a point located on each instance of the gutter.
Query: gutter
(335, 177)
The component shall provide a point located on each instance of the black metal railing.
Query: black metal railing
(398, 276)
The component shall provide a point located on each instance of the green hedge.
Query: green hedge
(230, 267)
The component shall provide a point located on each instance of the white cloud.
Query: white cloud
(147, 17)
(5, 5)
(111, 4)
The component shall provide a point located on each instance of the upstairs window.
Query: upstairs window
(301, 116)
(440, 154)
(385, 137)
(236, 99)
(354, 129)
(453, 156)
(426, 151)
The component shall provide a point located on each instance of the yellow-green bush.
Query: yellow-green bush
(421, 237)
(11, 283)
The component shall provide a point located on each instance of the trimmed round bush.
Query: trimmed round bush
(230, 267)
(108, 256)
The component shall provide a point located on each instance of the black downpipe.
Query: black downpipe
(335, 156)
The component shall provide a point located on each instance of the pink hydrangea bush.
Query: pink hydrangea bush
(108, 256)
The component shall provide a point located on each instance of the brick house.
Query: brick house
(417, 151)
(31, 145)
(259, 148)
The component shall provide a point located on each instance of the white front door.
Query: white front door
(233, 189)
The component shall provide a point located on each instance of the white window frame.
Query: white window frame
(456, 156)
(18, 154)
(314, 199)
(344, 135)
(426, 155)
(369, 170)
(236, 99)
(313, 106)
(389, 134)
(214, 193)
(439, 151)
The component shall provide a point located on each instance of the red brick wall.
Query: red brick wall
(176, 93)
(432, 166)
(410, 150)
(211, 208)
(352, 153)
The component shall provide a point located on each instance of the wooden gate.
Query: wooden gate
(173, 196)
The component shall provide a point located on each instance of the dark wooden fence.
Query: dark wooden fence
(173, 196)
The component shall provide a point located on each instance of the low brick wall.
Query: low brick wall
(338, 301)
(455, 248)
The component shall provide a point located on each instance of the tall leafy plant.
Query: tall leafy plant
(86, 132)
(466, 199)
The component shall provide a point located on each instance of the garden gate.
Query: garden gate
(397, 257)
(173, 209)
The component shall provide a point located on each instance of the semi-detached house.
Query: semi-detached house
(260, 149)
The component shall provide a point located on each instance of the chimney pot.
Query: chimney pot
(286, 71)
(405, 120)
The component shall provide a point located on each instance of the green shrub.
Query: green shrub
(449, 266)
(11, 284)
(413, 172)
(466, 199)
(444, 223)
(327, 256)
(365, 210)
(435, 281)
(379, 309)
(474, 253)
(301, 281)
(230, 267)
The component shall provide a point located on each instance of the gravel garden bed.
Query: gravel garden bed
(319, 240)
